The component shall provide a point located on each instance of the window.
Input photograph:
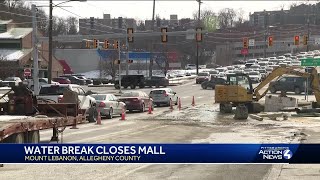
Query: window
(283, 80)
(81, 91)
(110, 98)
(99, 97)
(53, 90)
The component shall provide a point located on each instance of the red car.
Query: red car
(62, 80)
(136, 100)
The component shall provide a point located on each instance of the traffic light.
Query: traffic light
(305, 40)
(199, 34)
(106, 44)
(95, 43)
(87, 44)
(270, 41)
(130, 34)
(130, 61)
(296, 40)
(164, 36)
(117, 61)
(116, 45)
(245, 43)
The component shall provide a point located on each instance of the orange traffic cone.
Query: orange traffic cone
(150, 108)
(99, 118)
(171, 105)
(179, 104)
(123, 114)
(193, 102)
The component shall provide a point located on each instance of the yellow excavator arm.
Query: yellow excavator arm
(314, 79)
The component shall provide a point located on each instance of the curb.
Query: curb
(102, 85)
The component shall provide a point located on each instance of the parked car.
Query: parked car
(130, 81)
(163, 96)
(109, 105)
(136, 100)
(214, 73)
(88, 81)
(252, 61)
(42, 81)
(294, 84)
(54, 94)
(75, 80)
(212, 83)
(190, 66)
(62, 80)
(203, 76)
(11, 81)
(156, 81)
(255, 76)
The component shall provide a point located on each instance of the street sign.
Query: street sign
(251, 42)
(244, 51)
(27, 72)
(310, 62)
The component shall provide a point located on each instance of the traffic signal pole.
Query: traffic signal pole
(35, 51)
(119, 53)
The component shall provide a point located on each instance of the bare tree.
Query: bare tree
(226, 18)
(141, 26)
(208, 19)
(108, 66)
(72, 25)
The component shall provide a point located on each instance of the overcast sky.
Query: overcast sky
(142, 10)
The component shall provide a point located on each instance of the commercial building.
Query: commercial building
(105, 25)
(16, 48)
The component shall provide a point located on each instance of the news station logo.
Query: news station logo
(273, 153)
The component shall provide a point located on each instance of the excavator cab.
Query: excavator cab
(237, 89)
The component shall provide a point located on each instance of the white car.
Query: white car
(272, 58)
(282, 58)
(190, 66)
(109, 105)
(255, 76)
(3, 91)
(11, 81)
(42, 81)
(163, 96)
(295, 63)
(246, 71)
(221, 69)
(54, 94)
(253, 61)
(255, 67)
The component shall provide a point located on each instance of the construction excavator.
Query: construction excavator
(238, 91)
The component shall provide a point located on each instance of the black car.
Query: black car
(130, 81)
(75, 80)
(212, 83)
(156, 81)
(88, 81)
(294, 84)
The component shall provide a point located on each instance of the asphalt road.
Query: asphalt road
(199, 124)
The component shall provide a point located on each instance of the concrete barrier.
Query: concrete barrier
(276, 104)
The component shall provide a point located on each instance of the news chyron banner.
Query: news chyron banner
(159, 153)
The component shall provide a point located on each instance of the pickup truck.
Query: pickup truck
(54, 94)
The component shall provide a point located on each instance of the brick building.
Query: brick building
(16, 52)
(106, 24)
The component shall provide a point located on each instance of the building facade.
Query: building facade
(16, 48)
(105, 25)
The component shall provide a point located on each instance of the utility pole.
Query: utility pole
(127, 55)
(308, 29)
(35, 50)
(265, 35)
(50, 43)
(199, 23)
(119, 45)
(151, 56)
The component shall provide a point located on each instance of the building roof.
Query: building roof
(15, 33)
(5, 21)
(13, 54)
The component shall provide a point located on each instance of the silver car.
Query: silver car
(163, 96)
(108, 105)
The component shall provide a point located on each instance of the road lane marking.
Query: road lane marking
(129, 172)
(185, 97)
(199, 97)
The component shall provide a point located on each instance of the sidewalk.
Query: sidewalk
(294, 171)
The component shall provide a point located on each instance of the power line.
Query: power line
(20, 15)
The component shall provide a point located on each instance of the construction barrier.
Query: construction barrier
(123, 115)
(99, 118)
(150, 108)
(193, 101)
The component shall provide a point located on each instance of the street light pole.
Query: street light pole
(199, 23)
(50, 36)
(50, 43)
(308, 30)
